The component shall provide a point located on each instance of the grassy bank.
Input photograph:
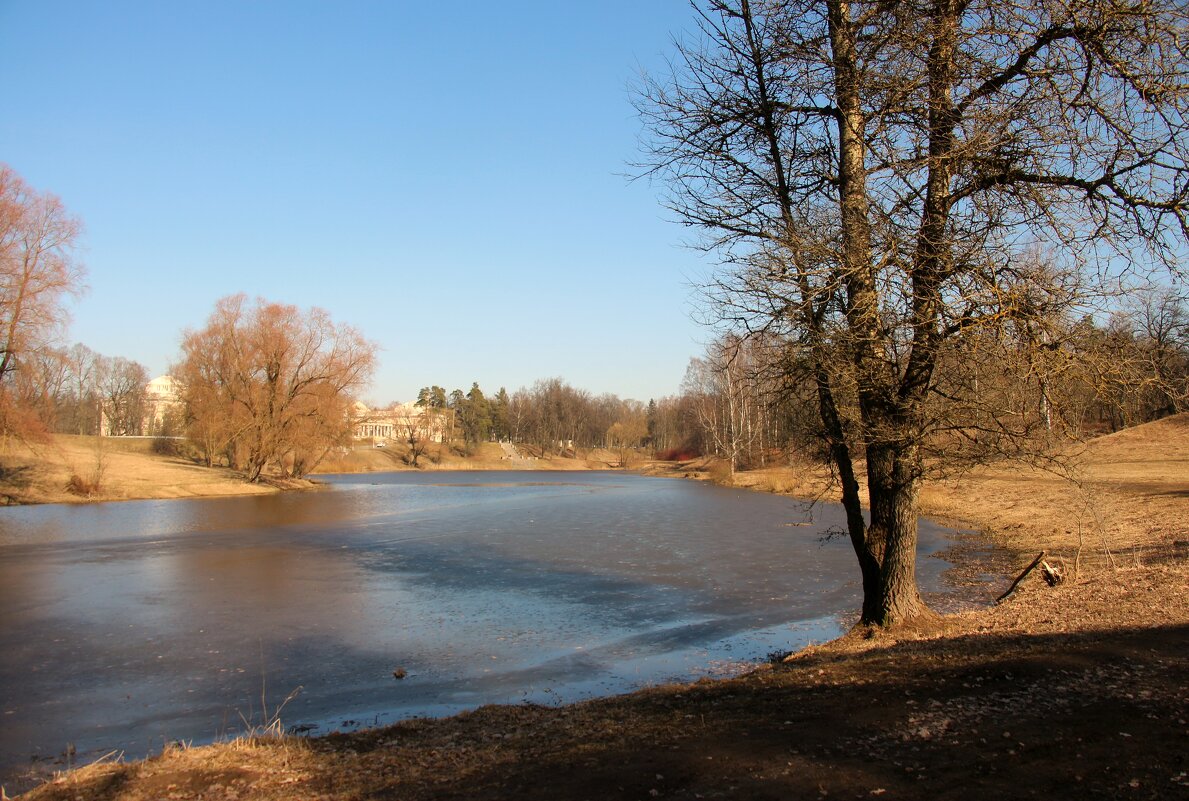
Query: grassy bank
(1073, 691)
(365, 458)
(79, 469)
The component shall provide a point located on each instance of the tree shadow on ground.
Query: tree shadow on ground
(980, 716)
(16, 479)
(971, 717)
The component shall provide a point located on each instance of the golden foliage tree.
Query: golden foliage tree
(37, 272)
(268, 384)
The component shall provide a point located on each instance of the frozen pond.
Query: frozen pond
(130, 625)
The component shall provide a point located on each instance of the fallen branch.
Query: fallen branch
(1053, 574)
(1039, 558)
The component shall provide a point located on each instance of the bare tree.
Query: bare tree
(879, 172)
(42, 387)
(673, 427)
(121, 384)
(323, 422)
(37, 270)
(81, 363)
(519, 413)
(418, 425)
(719, 385)
(1159, 321)
(630, 429)
(214, 419)
(270, 384)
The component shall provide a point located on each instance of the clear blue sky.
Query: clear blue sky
(448, 178)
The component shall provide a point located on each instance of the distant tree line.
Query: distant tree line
(551, 415)
(78, 391)
(751, 399)
(748, 399)
(266, 384)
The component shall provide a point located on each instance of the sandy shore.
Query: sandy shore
(1077, 691)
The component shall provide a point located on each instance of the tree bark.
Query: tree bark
(899, 600)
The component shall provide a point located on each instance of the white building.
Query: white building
(401, 421)
(161, 398)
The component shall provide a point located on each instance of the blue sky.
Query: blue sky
(448, 178)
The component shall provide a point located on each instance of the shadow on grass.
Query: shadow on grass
(970, 717)
(1099, 715)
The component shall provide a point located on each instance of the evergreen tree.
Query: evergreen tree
(501, 423)
(476, 416)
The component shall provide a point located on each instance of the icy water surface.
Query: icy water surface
(126, 626)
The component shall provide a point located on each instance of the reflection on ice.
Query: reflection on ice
(134, 624)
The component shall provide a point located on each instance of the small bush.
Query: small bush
(720, 471)
(83, 487)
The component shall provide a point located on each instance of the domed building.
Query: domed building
(162, 407)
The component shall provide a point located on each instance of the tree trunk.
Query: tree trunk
(899, 600)
(874, 374)
(869, 566)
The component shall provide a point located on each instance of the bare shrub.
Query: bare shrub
(83, 487)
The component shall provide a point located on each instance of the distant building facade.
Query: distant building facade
(155, 410)
(163, 407)
(400, 422)
(163, 415)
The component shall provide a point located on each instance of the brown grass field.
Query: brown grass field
(74, 469)
(112, 469)
(1074, 691)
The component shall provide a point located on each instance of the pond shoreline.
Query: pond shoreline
(1074, 690)
(122, 469)
(552, 574)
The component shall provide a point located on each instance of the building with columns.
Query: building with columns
(401, 421)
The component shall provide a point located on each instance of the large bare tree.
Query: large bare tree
(268, 384)
(121, 383)
(37, 270)
(881, 175)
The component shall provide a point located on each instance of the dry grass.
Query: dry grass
(73, 469)
(485, 456)
(1121, 498)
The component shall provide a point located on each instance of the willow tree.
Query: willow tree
(270, 384)
(875, 174)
